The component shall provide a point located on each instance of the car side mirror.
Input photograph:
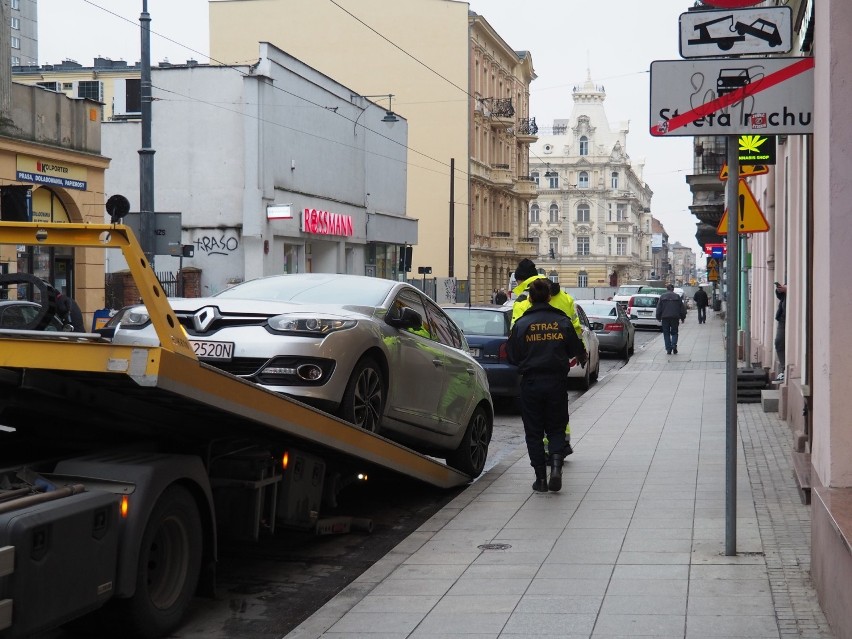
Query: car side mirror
(408, 318)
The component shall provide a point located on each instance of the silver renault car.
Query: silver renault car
(375, 352)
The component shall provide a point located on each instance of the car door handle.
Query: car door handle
(438, 362)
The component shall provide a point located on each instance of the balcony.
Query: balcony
(527, 247)
(525, 187)
(526, 131)
(501, 174)
(502, 113)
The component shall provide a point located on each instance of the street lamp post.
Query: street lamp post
(146, 153)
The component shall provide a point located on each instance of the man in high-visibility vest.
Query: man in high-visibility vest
(525, 274)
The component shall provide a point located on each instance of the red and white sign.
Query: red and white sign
(773, 96)
(731, 4)
(324, 223)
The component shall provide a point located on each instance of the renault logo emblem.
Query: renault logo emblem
(204, 318)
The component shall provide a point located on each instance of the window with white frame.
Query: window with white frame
(16, 61)
(609, 244)
(621, 246)
(583, 244)
(583, 180)
(16, 23)
(582, 279)
(534, 213)
(534, 176)
(90, 89)
(613, 180)
(553, 247)
(584, 145)
(554, 213)
(621, 213)
(553, 180)
(16, 42)
(584, 213)
(16, 4)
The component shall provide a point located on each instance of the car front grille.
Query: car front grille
(224, 321)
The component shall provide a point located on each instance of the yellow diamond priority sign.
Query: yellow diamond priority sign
(750, 217)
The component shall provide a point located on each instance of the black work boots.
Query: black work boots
(540, 485)
(555, 482)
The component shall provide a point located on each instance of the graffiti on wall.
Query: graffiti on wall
(221, 244)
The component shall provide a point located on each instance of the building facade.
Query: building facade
(660, 264)
(23, 20)
(52, 170)
(683, 264)
(115, 83)
(591, 217)
(500, 184)
(298, 174)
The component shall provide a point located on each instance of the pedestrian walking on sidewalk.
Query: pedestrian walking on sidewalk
(671, 311)
(701, 303)
(541, 344)
(781, 321)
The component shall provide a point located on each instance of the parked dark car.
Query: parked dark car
(609, 320)
(487, 329)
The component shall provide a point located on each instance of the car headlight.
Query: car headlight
(317, 326)
(135, 319)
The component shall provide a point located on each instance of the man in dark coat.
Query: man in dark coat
(541, 344)
(701, 303)
(671, 311)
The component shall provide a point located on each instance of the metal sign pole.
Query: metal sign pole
(731, 315)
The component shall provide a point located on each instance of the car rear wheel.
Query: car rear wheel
(364, 399)
(472, 452)
(624, 353)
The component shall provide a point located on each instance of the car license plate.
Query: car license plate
(475, 352)
(223, 351)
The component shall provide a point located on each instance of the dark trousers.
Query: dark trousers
(544, 409)
(670, 326)
(780, 338)
(702, 314)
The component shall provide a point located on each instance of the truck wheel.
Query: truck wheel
(470, 456)
(364, 399)
(168, 568)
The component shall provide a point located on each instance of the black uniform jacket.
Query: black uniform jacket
(543, 341)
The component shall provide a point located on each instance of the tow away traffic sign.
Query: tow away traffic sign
(736, 32)
(768, 96)
(750, 217)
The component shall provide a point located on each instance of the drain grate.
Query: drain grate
(494, 547)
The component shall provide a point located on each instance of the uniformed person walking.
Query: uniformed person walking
(541, 344)
(525, 274)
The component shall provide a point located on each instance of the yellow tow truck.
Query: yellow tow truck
(121, 466)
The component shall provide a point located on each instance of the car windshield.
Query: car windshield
(480, 321)
(599, 309)
(313, 288)
(628, 290)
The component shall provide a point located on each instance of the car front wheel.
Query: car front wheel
(469, 458)
(364, 399)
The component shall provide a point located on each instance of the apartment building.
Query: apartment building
(591, 217)
(23, 20)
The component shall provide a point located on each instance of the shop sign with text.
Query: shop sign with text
(50, 173)
(325, 223)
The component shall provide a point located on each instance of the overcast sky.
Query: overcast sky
(614, 40)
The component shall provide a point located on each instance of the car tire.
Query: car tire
(585, 382)
(594, 376)
(472, 452)
(624, 353)
(364, 398)
(632, 348)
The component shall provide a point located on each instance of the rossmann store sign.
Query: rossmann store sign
(51, 173)
(317, 222)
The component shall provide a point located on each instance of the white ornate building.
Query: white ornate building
(592, 215)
